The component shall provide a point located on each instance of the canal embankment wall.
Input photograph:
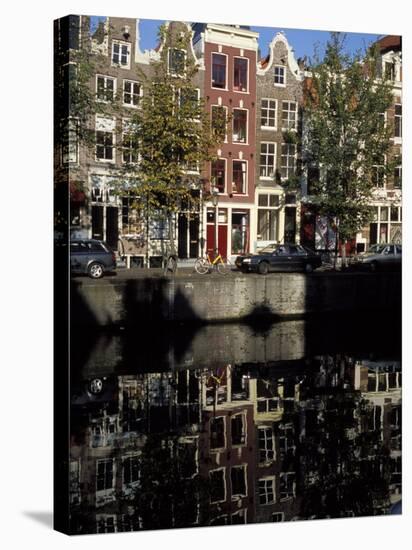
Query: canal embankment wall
(135, 301)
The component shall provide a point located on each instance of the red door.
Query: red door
(222, 240)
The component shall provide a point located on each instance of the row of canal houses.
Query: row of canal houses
(262, 96)
(229, 445)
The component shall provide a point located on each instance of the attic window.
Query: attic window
(280, 76)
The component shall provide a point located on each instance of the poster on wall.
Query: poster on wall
(187, 389)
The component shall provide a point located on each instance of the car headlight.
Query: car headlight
(246, 260)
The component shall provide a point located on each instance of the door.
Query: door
(97, 222)
(182, 238)
(194, 224)
(112, 226)
(222, 240)
(290, 224)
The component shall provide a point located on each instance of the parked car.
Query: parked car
(280, 257)
(91, 257)
(379, 257)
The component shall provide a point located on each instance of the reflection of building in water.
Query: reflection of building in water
(237, 445)
(380, 384)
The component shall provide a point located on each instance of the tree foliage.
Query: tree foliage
(171, 133)
(346, 135)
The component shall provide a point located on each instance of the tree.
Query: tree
(170, 134)
(346, 136)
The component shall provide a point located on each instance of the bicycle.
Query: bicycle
(206, 265)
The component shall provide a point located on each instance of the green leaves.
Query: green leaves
(346, 132)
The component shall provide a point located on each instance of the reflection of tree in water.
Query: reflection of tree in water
(344, 467)
(171, 493)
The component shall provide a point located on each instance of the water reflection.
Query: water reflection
(299, 437)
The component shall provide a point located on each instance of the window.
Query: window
(240, 75)
(218, 172)
(176, 61)
(397, 177)
(239, 177)
(313, 179)
(217, 485)
(288, 160)
(238, 429)
(239, 126)
(378, 172)
(104, 475)
(389, 70)
(268, 404)
(105, 88)
(286, 439)
(104, 145)
(289, 115)
(121, 54)
(267, 490)
(218, 121)
(132, 92)
(268, 206)
(268, 113)
(189, 100)
(217, 433)
(278, 517)
(106, 524)
(130, 149)
(398, 120)
(287, 485)
(131, 223)
(266, 445)
(267, 160)
(105, 139)
(280, 75)
(130, 470)
(238, 481)
(219, 70)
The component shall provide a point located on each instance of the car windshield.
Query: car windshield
(268, 249)
(376, 248)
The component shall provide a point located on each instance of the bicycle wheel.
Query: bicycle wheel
(223, 268)
(202, 266)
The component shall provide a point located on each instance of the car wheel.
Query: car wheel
(308, 268)
(263, 268)
(95, 270)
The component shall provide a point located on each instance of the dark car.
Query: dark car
(91, 257)
(379, 257)
(280, 257)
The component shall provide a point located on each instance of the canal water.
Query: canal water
(235, 424)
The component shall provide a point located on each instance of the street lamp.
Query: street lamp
(215, 202)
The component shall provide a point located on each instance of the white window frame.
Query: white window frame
(244, 425)
(140, 95)
(237, 496)
(375, 168)
(278, 514)
(289, 110)
(132, 483)
(125, 133)
(285, 475)
(107, 125)
(102, 519)
(266, 156)
(265, 429)
(267, 480)
(226, 73)
(129, 54)
(280, 84)
(211, 175)
(268, 208)
(287, 157)
(105, 79)
(245, 172)
(107, 493)
(248, 78)
(223, 469)
(398, 139)
(218, 449)
(399, 167)
(268, 127)
(246, 142)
